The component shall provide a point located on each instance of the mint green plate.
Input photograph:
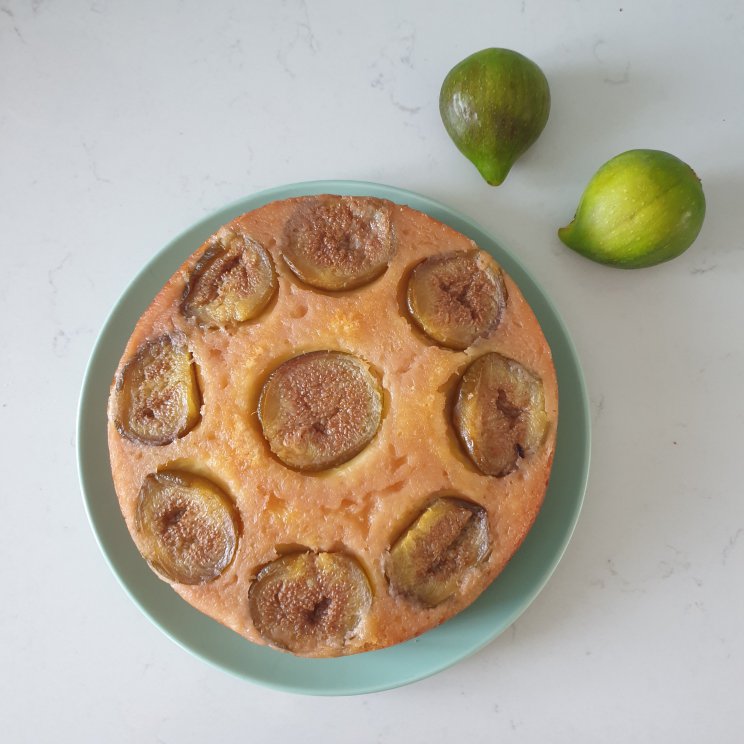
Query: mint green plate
(497, 608)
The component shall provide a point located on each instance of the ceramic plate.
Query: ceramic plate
(498, 607)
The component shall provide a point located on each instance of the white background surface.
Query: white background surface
(123, 123)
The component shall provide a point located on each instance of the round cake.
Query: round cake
(334, 425)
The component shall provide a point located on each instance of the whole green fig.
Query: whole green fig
(494, 105)
(641, 208)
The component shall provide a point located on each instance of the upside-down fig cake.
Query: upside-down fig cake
(334, 425)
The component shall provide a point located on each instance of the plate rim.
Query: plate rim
(398, 195)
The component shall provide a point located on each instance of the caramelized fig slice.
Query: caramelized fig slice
(456, 298)
(310, 603)
(431, 558)
(339, 242)
(187, 528)
(320, 409)
(232, 282)
(157, 396)
(499, 413)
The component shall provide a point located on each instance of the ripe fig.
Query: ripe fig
(187, 528)
(494, 105)
(310, 602)
(339, 242)
(641, 208)
(499, 413)
(431, 558)
(231, 283)
(456, 298)
(157, 397)
(320, 409)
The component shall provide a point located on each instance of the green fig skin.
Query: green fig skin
(640, 209)
(494, 105)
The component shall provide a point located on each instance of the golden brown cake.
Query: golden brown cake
(334, 425)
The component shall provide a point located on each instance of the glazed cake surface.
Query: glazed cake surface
(393, 510)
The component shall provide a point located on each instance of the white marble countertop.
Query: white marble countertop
(123, 123)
